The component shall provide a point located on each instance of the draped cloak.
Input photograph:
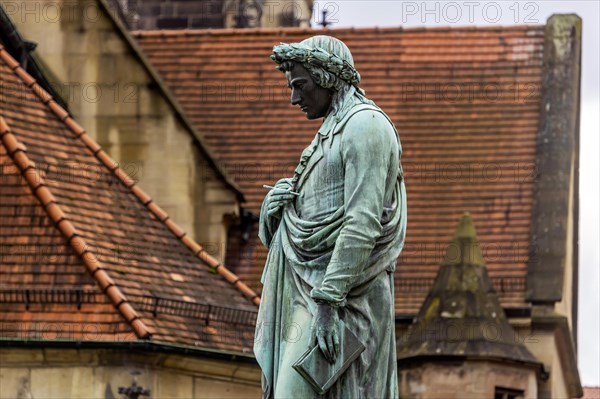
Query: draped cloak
(338, 242)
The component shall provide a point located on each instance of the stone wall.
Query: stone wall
(116, 99)
(98, 373)
(464, 380)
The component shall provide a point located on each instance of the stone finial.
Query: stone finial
(464, 247)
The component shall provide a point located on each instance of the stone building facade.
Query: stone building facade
(63, 372)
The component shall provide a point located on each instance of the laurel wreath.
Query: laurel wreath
(316, 57)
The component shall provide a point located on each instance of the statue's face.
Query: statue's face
(313, 99)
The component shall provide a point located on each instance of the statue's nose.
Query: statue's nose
(295, 99)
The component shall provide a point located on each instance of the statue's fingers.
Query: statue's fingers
(277, 202)
(330, 347)
(285, 194)
(336, 343)
(273, 200)
(313, 336)
(323, 346)
(272, 210)
(284, 185)
(275, 205)
(281, 197)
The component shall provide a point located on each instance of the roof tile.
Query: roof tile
(41, 93)
(158, 211)
(90, 143)
(74, 126)
(58, 110)
(106, 160)
(142, 196)
(591, 392)
(175, 229)
(123, 176)
(192, 245)
(8, 60)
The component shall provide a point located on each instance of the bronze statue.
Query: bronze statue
(334, 231)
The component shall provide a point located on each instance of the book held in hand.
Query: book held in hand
(317, 370)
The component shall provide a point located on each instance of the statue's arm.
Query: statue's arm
(369, 146)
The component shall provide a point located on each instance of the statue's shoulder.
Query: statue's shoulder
(368, 127)
(365, 115)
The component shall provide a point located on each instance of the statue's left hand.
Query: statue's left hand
(325, 330)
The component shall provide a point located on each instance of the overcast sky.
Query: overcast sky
(385, 13)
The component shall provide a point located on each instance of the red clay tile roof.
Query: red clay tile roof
(466, 103)
(591, 392)
(85, 254)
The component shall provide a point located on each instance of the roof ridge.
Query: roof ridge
(234, 31)
(112, 165)
(17, 152)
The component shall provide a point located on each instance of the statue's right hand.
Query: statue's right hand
(278, 197)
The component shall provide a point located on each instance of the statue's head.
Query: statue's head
(316, 69)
